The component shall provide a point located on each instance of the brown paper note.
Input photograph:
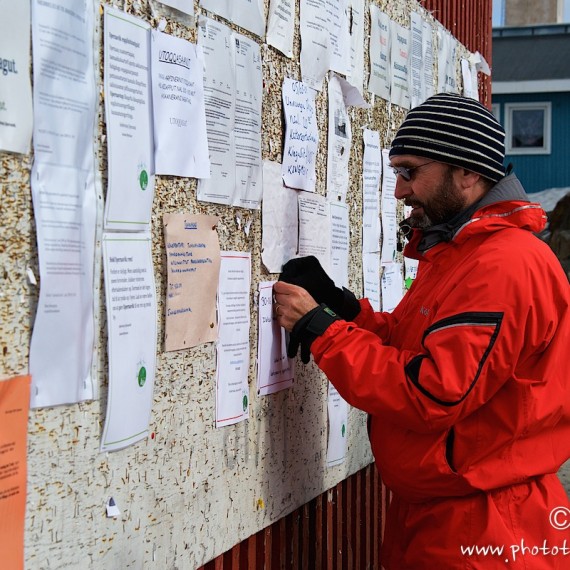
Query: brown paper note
(193, 267)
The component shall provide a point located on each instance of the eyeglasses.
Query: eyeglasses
(407, 173)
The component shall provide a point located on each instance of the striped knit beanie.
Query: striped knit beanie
(455, 130)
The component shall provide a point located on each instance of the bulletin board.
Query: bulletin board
(189, 491)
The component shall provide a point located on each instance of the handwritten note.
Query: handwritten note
(301, 136)
(193, 263)
(274, 370)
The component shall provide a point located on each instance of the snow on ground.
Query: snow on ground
(548, 198)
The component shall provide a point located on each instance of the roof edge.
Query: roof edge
(540, 86)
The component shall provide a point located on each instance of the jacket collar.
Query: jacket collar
(508, 189)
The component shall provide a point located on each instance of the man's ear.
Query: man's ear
(466, 178)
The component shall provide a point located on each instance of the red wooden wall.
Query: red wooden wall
(342, 529)
(338, 530)
(470, 21)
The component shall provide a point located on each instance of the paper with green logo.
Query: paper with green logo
(232, 350)
(128, 114)
(130, 295)
(338, 422)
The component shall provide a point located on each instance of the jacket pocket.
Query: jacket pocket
(449, 441)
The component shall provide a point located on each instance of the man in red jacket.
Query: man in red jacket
(466, 382)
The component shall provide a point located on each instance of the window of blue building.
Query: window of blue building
(527, 127)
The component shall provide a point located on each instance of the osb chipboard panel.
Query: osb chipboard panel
(190, 491)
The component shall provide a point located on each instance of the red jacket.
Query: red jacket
(467, 386)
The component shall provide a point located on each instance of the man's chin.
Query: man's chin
(420, 221)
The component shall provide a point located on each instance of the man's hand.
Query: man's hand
(302, 316)
(291, 303)
(308, 273)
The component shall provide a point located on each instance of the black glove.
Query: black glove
(307, 329)
(308, 273)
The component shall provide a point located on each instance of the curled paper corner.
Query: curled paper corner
(31, 277)
(480, 63)
(161, 25)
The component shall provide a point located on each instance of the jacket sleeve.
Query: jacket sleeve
(380, 324)
(427, 391)
(465, 356)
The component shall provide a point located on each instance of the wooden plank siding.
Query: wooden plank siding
(339, 529)
(470, 21)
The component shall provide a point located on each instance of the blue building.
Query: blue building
(531, 99)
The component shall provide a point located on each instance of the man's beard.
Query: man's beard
(445, 203)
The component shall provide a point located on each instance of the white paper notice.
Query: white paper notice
(180, 139)
(389, 222)
(340, 242)
(15, 87)
(233, 88)
(399, 60)
(469, 76)
(338, 427)
(64, 196)
(316, 51)
(301, 136)
(338, 24)
(279, 219)
(248, 14)
(446, 61)
(371, 271)
(339, 143)
(281, 25)
(65, 213)
(410, 265)
(451, 77)
(356, 72)
(64, 82)
(379, 81)
(131, 327)
(249, 92)
(416, 76)
(371, 175)
(427, 51)
(275, 371)
(232, 367)
(219, 94)
(392, 291)
(442, 58)
(315, 228)
(129, 124)
(474, 69)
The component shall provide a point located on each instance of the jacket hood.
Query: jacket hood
(505, 205)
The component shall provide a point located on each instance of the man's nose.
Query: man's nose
(403, 188)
